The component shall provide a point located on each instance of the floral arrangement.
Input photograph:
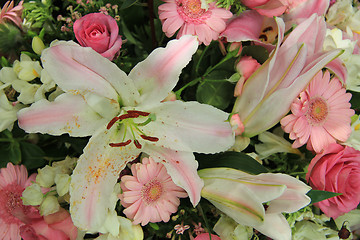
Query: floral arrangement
(180, 119)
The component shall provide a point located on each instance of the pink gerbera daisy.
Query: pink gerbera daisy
(149, 195)
(13, 214)
(321, 114)
(191, 18)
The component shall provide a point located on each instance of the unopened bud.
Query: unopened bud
(32, 195)
(46, 176)
(62, 182)
(37, 45)
(49, 205)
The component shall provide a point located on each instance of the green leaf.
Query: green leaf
(215, 90)
(257, 52)
(355, 100)
(236, 160)
(128, 3)
(318, 195)
(32, 155)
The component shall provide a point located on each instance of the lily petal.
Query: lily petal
(235, 200)
(158, 74)
(67, 114)
(182, 167)
(274, 111)
(80, 70)
(264, 191)
(95, 176)
(276, 227)
(190, 126)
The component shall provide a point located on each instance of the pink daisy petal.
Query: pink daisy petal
(326, 108)
(157, 198)
(191, 19)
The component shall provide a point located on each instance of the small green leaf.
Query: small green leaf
(236, 160)
(318, 195)
(154, 226)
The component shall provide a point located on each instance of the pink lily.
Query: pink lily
(283, 76)
(241, 196)
(125, 116)
(251, 26)
(9, 12)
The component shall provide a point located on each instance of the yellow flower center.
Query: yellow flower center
(191, 8)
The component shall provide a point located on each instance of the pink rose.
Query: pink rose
(269, 8)
(337, 169)
(57, 226)
(100, 32)
(205, 236)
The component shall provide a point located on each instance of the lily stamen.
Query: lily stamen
(137, 144)
(151, 139)
(121, 144)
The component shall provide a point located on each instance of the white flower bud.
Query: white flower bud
(46, 176)
(50, 205)
(62, 182)
(37, 45)
(32, 195)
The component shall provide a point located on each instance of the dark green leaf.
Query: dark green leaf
(318, 195)
(32, 155)
(257, 52)
(355, 100)
(236, 160)
(215, 90)
(128, 3)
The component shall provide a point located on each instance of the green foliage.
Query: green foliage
(236, 160)
(318, 195)
(10, 38)
(215, 90)
(235, 5)
(257, 52)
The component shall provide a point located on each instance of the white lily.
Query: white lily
(241, 196)
(125, 116)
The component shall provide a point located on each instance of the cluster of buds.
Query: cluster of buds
(51, 187)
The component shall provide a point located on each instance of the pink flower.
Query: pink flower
(321, 114)
(192, 19)
(269, 8)
(56, 226)
(13, 214)
(100, 32)
(205, 236)
(18, 221)
(149, 195)
(246, 66)
(9, 12)
(337, 169)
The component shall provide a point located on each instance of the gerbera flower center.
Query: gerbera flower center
(11, 205)
(317, 111)
(190, 9)
(151, 191)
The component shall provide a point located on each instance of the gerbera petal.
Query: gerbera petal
(182, 167)
(190, 126)
(158, 74)
(92, 72)
(95, 176)
(67, 114)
